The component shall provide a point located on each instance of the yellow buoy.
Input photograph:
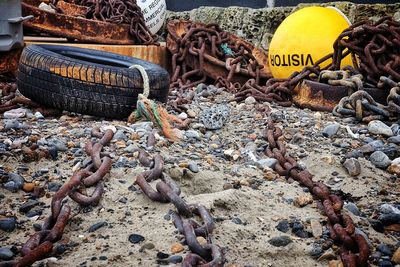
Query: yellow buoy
(304, 37)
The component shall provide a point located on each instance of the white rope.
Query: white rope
(145, 77)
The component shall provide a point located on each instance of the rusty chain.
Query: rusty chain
(168, 191)
(118, 12)
(354, 250)
(40, 244)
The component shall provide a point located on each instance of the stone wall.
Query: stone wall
(258, 25)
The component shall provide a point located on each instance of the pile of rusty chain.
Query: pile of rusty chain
(41, 243)
(363, 107)
(375, 48)
(119, 12)
(209, 39)
(354, 250)
(167, 191)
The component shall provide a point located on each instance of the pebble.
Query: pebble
(8, 224)
(162, 255)
(384, 249)
(280, 241)
(17, 179)
(192, 134)
(27, 206)
(6, 254)
(378, 127)
(28, 187)
(267, 163)
(380, 159)
(119, 135)
(13, 124)
(388, 219)
(147, 246)
(54, 186)
(331, 130)
(385, 263)
(303, 200)
(11, 186)
(316, 228)
(394, 168)
(15, 113)
(394, 139)
(250, 100)
(372, 146)
(352, 166)
(183, 116)
(200, 88)
(60, 145)
(97, 226)
(176, 248)
(316, 251)
(191, 113)
(38, 115)
(135, 238)
(130, 149)
(283, 226)
(175, 259)
(215, 117)
(352, 208)
(387, 209)
(193, 167)
(396, 256)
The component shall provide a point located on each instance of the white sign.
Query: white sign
(154, 12)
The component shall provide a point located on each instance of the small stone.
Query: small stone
(384, 249)
(352, 208)
(15, 113)
(183, 116)
(200, 88)
(103, 258)
(316, 251)
(396, 256)
(394, 139)
(53, 152)
(303, 200)
(60, 145)
(378, 127)
(162, 255)
(192, 134)
(38, 115)
(388, 208)
(215, 117)
(135, 238)
(193, 167)
(147, 246)
(8, 224)
(394, 168)
(280, 241)
(12, 124)
(267, 163)
(380, 159)
(385, 263)
(283, 226)
(175, 259)
(28, 187)
(352, 166)
(11, 186)
(331, 130)
(17, 179)
(250, 100)
(202, 241)
(130, 149)
(27, 206)
(191, 113)
(390, 218)
(6, 254)
(54, 186)
(176, 248)
(316, 228)
(119, 135)
(97, 226)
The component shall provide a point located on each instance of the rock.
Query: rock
(385, 263)
(331, 130)
(378, 127)
(119, 135)
(266, 163)
(177, 247)
(54, 186)
(53, 152)
(200, 88)
(97, 226)
(191, 113)
(193, 167)
(394, 168)
(372, 146)
(17, 179)
(135, 238)
(352, 208)
(250, 100)
(130, 149)
(147, 246)
(8, 224)
(280, 241)
(380, 159)
(384, 249)
(316, 228)
(6, 254)
(396, 256)
(28, 187)
(316, 251)
(27, 206)
(38, 115)
(389, 218)
(175, 259)
(57, 143)
(303, 200)
(183, 116)
(192, 134)
(13, 124)
(11, 186)
(215, 117)
(377, 225)
(387, 209)
(352, 166)
(15, 113)
(283, 226)
(162, 255)
(394, 139)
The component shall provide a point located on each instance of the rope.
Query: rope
(145, 77)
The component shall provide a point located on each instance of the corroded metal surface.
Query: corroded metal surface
(72, 9)
(75, 27)
(9, 61)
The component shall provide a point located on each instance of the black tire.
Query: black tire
(87, 81)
